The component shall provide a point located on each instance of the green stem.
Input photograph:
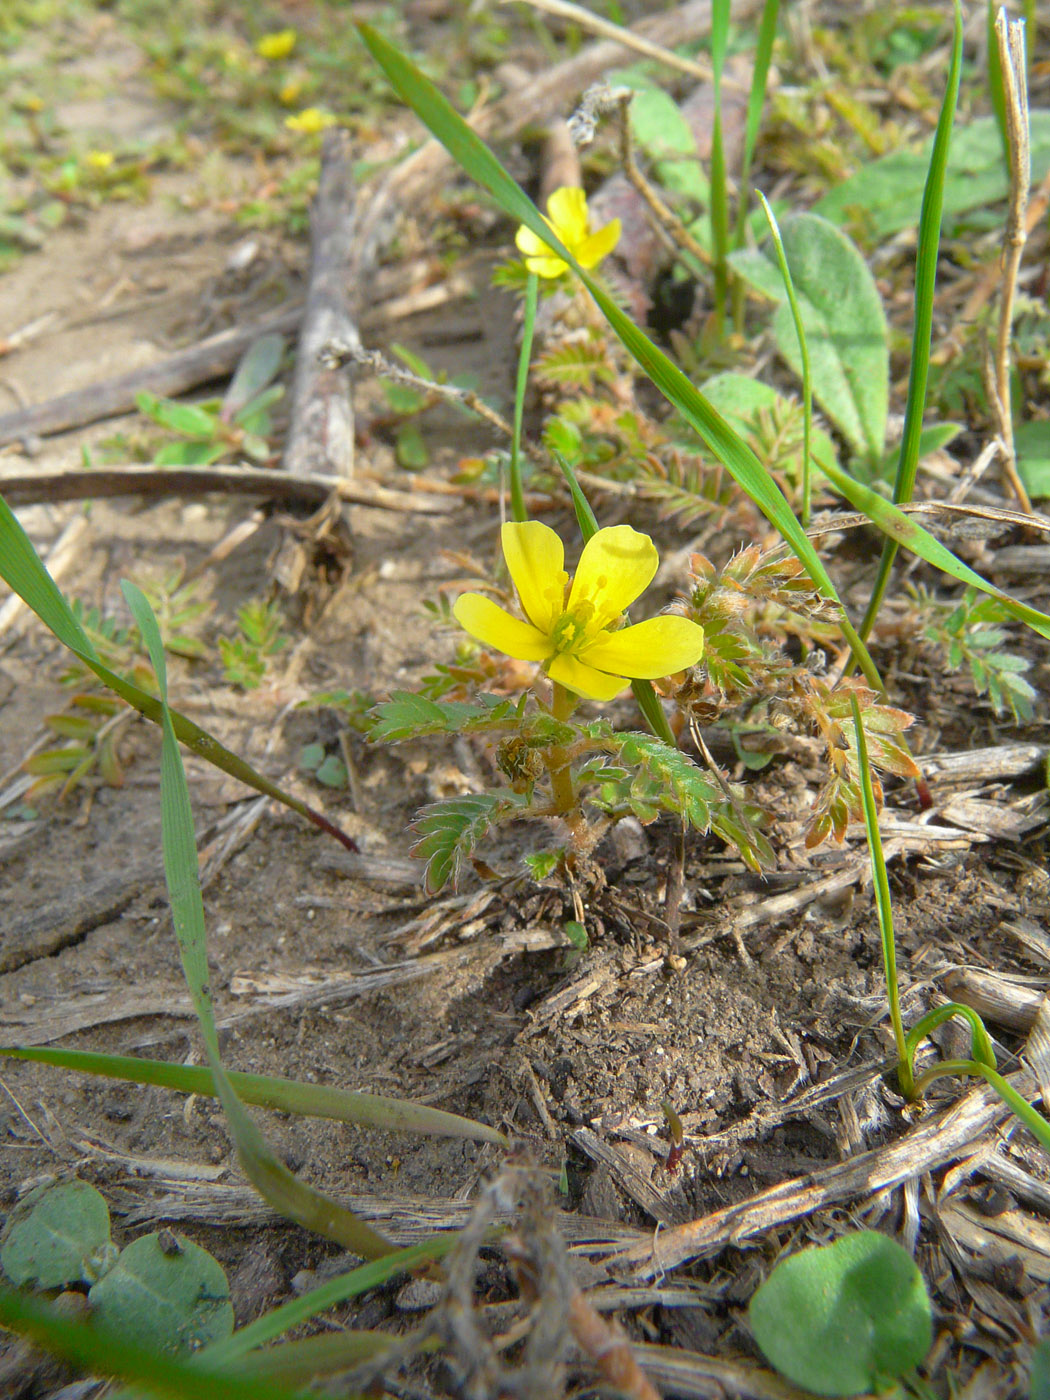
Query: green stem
(1029, 1116)
(517, 494)
(558, 762)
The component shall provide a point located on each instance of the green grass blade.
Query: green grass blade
(338, 1290)
(904, 531)
(517, 493)
(756, 101)
(719, 191)
(1029, 1116)
(23, 571)
(925, 278)
(268, 1091)
(883, 902)
(803, 349)
(739, 460)
(280, 1187)
(101, 1354)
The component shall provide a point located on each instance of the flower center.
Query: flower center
(571, 629)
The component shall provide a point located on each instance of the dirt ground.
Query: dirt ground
(765, 1028)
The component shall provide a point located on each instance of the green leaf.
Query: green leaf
(883, 197)
(450, 830)
(844, 322)
(311, 756)
(1039, 1374)
(410, 449)
(195, 453)
(259, 364)
(407, 715)
(660, 129)
(165, 1292)
(186, 418)
(56, 1236)
(845, 1319)
(332, 772)
(1032, 444)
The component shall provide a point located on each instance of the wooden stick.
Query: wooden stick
(321, 434)
(79, 485)
(210, 359)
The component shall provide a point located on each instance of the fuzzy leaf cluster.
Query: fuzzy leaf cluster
(971, 636)
(408, 715)
(450, 830)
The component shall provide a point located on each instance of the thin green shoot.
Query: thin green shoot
(925, 279)
(996, 92)
(517, 493)
(719, 191)
(883, 903)
(807, 382)
(1017, 1103)
(756, 101)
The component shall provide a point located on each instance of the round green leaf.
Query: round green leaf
(58, 1234)
(166, 1292)
(851, 1317)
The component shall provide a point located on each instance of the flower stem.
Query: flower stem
(517, 494)
(563, 702)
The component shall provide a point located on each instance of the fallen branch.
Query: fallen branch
(79, 485)
(321, 433)
(210, 359)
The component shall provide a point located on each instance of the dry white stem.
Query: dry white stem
(594, 24)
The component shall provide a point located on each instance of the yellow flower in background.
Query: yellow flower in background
(570, 219)
(289, 94)
(310, 119)
(575, 630)
(99, 160)
(277, 45)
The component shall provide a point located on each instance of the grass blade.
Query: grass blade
(719, 192)
(23, 571)
(268, 1091)
(925, 278)
(803, 349)
(280, 1187)
(884, 904)
(101, 1354)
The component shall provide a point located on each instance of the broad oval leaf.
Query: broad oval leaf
(844, 322)
(57, 1235)
(851, 1317)
(164, 1292)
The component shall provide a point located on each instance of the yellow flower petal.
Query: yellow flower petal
(538, 256)
(584, 680)
(548, 266)
(535, 557)
(648, 650)
(529, 243)
(489, 624)
(567, 211)
(598, 245)
(617, 564)
(276, 46)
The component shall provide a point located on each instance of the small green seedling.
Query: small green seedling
(238, 424)
(162, 1290)
(246, 657)
(848, 1318)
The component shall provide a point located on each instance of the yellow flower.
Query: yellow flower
(276, 46)
(310, 119)
(99, 160)
(570, 219)
(575, 630)
(289, 94)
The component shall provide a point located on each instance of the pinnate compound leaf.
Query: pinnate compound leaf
(164, 1292)
(407, 715)
(845, 1319)
(55, 1236)
(450, 830)
(844, 322)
